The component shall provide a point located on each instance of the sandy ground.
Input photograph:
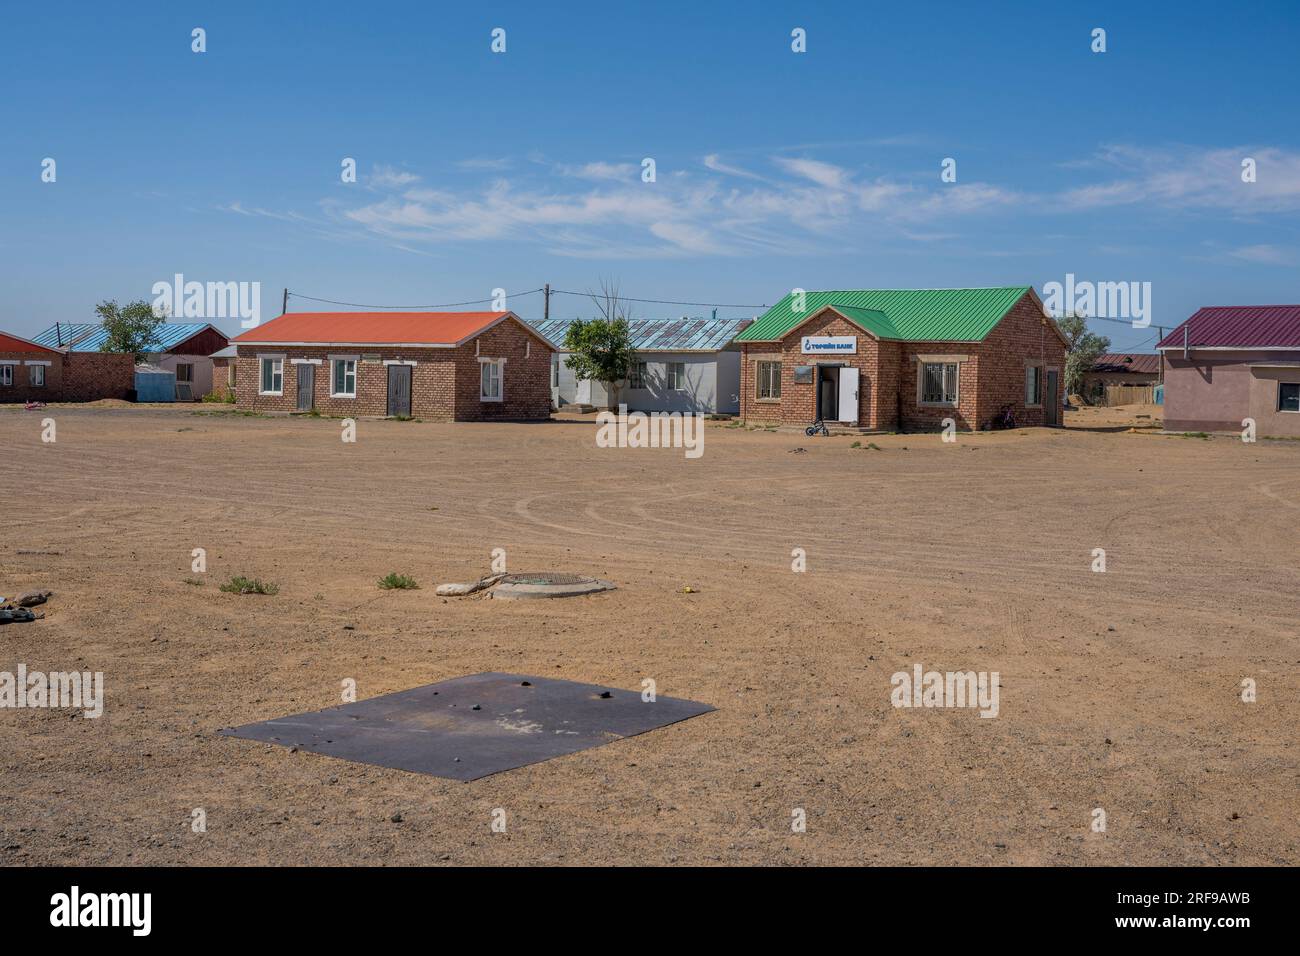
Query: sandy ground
(1119, 690)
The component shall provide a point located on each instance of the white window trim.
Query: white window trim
(921, 363)
(410, 362)
(356, 375)
(10, 366)
(42, 362)
(501, 378)
(32, 383)
(272, 357)
(304, 361)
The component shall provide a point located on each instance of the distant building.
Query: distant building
(679, 365)
(1122, 378)
(31, 372)
(1232, 362)
(181, 348)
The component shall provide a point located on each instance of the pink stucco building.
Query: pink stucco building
(1229, 363)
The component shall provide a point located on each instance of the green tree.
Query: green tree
(130, 327)
(1081, 350)
(601, 349)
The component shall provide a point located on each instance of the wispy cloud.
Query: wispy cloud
(1191, 178)
(793, 204)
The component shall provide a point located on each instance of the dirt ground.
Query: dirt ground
(1119, 690)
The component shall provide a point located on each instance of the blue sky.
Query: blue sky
(774, 170)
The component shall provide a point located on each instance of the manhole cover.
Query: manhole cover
(548, 584)
(545, 577)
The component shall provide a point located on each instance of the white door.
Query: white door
(849, 394)
(584, 392)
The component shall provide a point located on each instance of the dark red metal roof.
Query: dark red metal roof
(1239, 327)
(1141, 362)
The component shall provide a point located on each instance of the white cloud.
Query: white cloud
(389, 177)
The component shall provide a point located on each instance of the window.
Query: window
(676, 375)
(184, 371)
(490, 380)
(345, 378)
(6, 375)
(555, 373)
(1034, 385)
(36, 375)
(230, 374)
(1288, 396)
(769, 381)
(272, 376)
(939, 383)
(637, 377)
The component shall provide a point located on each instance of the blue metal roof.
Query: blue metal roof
(686, 334)
(89, 336)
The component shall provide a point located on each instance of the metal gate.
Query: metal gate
(306, 386)
(399, 390)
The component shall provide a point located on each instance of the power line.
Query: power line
(444, 305)
(626, 298)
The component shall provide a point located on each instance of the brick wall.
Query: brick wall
(90, 376)
(444, 382)
(22, 390)
(1022, 336)
(990, 375)
(220, 376)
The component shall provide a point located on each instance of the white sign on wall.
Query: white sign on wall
(833, 344)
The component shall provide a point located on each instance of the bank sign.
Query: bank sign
(830, 344)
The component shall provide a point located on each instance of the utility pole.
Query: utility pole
(284, 305)
(1160, 329)
(546, 306)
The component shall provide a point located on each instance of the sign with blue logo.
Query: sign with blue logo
(830, 345)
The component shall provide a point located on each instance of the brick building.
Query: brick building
(31, 372)
(444, 366)
(885, 360)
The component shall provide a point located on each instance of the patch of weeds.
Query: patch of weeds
(856, 444)
(1205, 435)
(403, 418)
(873, 446)
(314, 413)
(194, 581)
(243, 585)
(398, 582)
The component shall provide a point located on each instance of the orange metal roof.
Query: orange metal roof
(371, 328)
(12, 343)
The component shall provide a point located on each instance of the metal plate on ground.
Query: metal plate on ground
(436, 729)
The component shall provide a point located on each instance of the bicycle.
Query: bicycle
(817, 426)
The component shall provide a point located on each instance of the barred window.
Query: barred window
(939, 383)
(637, 376)
(769, 380)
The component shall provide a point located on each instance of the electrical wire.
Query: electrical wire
(444, 305)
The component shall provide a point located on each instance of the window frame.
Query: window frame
(343, 361)
(638, 375)
(1039, 374)
(189, 372)
(36, 376)
(261, 374)
(6, 373)
(1280, 408)
(924, 402)
(673, 371)
(771, 379)
(499, 367)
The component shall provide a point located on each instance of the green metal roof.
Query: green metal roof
(909, 315)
